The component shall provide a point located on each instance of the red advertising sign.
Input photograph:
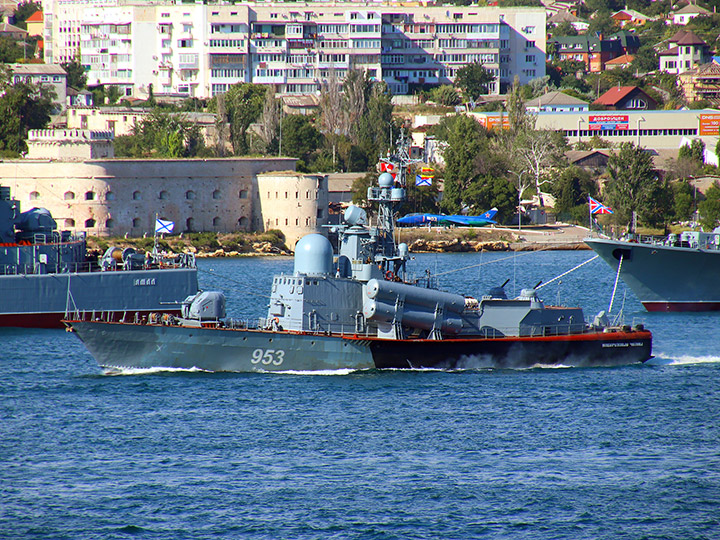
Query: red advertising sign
(709, 124)
(601, 122)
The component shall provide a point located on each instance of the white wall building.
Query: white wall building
(202, 49)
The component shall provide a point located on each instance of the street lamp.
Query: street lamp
(519, 178)
(640, 119)
(579, 121)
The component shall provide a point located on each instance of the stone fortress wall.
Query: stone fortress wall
(122, 197)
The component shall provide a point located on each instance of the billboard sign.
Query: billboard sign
(709, 124)
(603, 122)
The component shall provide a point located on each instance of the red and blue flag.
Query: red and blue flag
(596, 207)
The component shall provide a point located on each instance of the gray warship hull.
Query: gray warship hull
(122, 345)
(43, 300)
(665, 278)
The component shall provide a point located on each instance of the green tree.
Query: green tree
(645, 59)
(10, 51)
(244, 105)
(487, 192)
(299, 138)
(162, 135)
(710, 208)
(76, 77)
(602, 23)
(695, 152)
(23, 106)
(466, 139)
(23, 12)
(445, 95)
(473, 79)
(571, 190)
(421, 198)
(683, 200)
(632, 182)
(563, 29)
(372, 129)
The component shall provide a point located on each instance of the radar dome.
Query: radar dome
(386, 180)
(354, 215)
(313, 255)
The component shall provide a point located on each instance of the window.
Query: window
(89, 223)
(190, 224)
(216, 194)
(189, 195)
(244, 194)
(243, 221)
(136, 222)
(137, 196)
(34, 195)
(110, 196)
(69, 196)
(109, 224)
(89, 195)
(163, 195)
(69, 223)
(216, 222)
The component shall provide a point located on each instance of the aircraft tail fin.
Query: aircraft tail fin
(490, 214)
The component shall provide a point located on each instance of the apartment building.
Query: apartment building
(200, 50)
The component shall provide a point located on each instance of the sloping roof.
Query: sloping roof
(564, 16)
(574, 156)
(709, 70)
(555, 98)
(615, 94)
(691, 8)
(620, 60)
(35, 17)
(686, 37)
(35, 69)
(691, 39)
(6, 28)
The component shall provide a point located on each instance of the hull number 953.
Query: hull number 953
(268, 357)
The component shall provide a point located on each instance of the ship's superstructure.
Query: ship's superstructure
(45, 274)
(360, 308)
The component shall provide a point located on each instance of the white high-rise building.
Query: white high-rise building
(202, 49)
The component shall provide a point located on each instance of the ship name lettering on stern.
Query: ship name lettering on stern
(144, 282)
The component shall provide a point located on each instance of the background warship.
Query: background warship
(677, 273)
(361, 309)
(45, 274)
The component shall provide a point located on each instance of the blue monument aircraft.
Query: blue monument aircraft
(415, 220)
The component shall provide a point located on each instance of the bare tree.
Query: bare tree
(270, 120)
(537, 152)
(333, 117)
(221, 127)
(356, 88)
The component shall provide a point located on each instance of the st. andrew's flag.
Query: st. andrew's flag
(421, 180)
(596, 207)
(163, 227)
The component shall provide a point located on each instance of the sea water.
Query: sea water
(629, 452)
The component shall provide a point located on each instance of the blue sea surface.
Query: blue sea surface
(630, 452)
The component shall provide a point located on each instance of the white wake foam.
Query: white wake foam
(117, 370)
(684, 360)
